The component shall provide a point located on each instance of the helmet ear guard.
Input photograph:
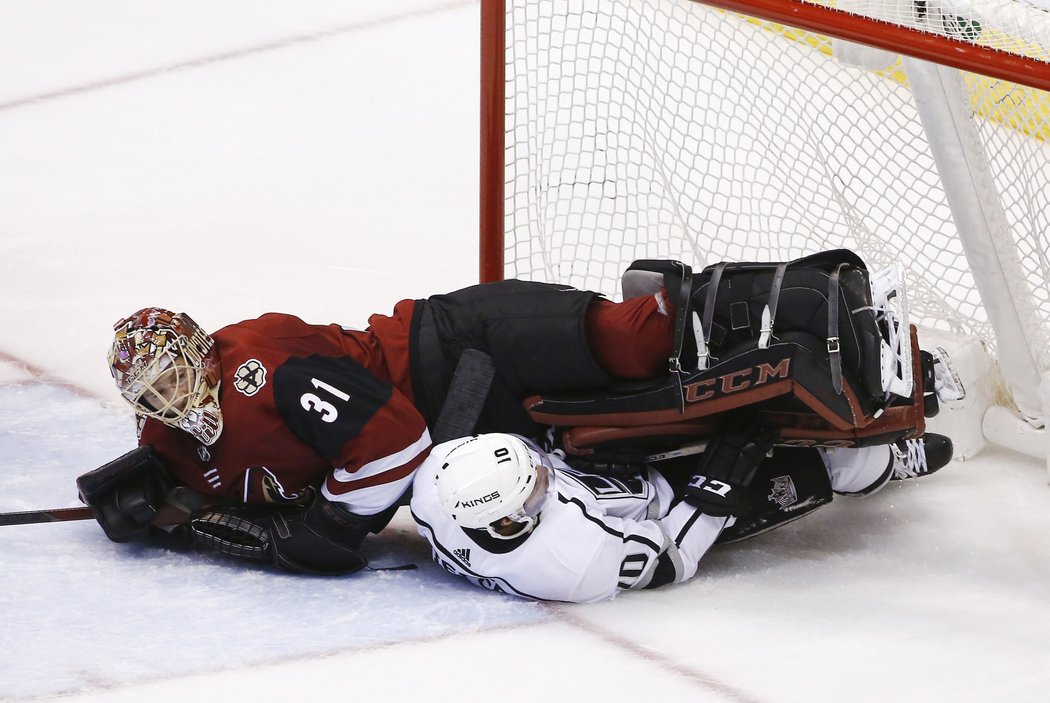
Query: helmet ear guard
(494, 482)
(167, 368)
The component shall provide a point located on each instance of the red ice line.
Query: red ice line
(703, 680)
(39, 375)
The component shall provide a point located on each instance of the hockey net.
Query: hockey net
(627, 129)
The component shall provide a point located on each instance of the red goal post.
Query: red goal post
(915, 130)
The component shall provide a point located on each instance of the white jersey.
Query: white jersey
(596, 536)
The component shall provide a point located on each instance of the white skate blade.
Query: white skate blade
(946, 382)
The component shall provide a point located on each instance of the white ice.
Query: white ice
(319, 158)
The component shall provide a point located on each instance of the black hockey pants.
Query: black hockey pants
(534, 332)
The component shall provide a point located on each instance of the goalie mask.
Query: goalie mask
(495, 482)
(167, 368)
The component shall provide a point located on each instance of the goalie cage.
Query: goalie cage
(910, 130)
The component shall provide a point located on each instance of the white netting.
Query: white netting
(667, 129)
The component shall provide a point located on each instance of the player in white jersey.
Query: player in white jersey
(509, 517)
(582, 536)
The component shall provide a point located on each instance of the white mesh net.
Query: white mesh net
(667, 129)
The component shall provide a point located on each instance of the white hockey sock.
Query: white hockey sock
(860, 471)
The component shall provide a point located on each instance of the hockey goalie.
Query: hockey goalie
(280, 442)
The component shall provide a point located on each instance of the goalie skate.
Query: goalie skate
(890, 300)
(946, 382)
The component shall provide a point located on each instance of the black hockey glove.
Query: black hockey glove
(126, 494)
(720, 487)
(321, 538)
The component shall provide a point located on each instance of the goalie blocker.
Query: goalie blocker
(816, 347)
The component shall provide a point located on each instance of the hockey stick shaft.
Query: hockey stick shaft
(166, 516)
(684, 450)
(29, 517)
(466, 396)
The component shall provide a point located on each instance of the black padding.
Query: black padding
(740, 316)
(534, 332)
(740, 380)
(324, 539)
(126, 493)
(793, 380)
(792, 483)
(139, 461)
(320, 538)
(664, 573)
(802, 307)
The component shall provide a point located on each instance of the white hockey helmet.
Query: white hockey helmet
(490, 477)
(167, 368)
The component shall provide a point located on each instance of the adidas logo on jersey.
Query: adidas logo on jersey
(463, 555)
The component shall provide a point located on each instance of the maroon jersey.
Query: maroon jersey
(306, 405)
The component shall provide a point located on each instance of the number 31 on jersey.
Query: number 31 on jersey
(314, 402)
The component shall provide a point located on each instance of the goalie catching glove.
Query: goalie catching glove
(320, 538)
(721, 485)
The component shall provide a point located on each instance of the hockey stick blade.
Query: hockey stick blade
(29, 517)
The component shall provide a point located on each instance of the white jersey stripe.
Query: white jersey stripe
(616, 533)
(386, 463)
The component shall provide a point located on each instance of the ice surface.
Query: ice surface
(318, 158)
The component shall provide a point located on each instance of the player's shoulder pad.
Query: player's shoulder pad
(327, 400)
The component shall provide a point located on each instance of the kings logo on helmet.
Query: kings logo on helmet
(478, 501)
